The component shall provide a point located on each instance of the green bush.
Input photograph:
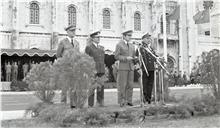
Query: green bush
(95, 117)
(35, 109)
(75, 71)
(63, 116)
(39, 80)
(179, 112)
(206, 105)
(19, 86)
(206, 70)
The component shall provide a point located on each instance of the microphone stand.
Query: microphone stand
(160, 74)
(141, 61)
(160, 77)
(157, 60)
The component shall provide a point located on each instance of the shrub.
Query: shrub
(35, 109)
(179, 112)
(19, 86)
(206, 105)
(206, 70)
(95, 117)
(76, 72)
(39, 80)
(63, 116)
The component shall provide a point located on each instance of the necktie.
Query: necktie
(72, 42)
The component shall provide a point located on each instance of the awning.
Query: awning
(28, 52)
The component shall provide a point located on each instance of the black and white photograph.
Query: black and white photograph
(110, 63)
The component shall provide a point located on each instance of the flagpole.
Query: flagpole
(164, 31)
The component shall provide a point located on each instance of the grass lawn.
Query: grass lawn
(195, 122)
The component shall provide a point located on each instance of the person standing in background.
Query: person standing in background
(25, 69)
(15, 71)
(8, 72)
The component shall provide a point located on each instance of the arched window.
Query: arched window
(137, 21)
(34, 13)
(72, 15)
(171, 64)
(106, 19)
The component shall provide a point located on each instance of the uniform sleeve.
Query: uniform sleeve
(88, 51)
(136, 53)
(77, 45)
(60, 50)
(117, 54)
(101, 47)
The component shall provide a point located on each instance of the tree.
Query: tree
(207, 70)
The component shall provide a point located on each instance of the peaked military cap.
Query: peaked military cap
(71, 27)
(127, 31)
(95, 33)
(146, 35)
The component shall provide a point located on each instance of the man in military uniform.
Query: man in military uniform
(96, 51)
(66, 44)
(125, 53)
(147, 78)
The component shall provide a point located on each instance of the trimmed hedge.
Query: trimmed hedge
(63, 116)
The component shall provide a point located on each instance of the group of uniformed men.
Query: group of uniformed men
(127, 56)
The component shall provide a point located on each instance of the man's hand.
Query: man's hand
(129, 58)
(135, 58)
(137, 66)
(139, 71)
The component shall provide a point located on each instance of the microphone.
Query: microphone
(136, 43)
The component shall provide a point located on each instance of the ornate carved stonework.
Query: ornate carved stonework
(170, 7)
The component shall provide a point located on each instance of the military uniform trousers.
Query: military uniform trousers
(148, 82)
(100, 95)
(68, 92)
(72, 96)
(125, 79)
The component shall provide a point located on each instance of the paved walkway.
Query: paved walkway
(18, 114)
(14, 103)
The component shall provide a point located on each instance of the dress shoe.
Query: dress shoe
(129, 104)
(72, 107)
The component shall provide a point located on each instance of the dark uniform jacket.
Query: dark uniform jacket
(65, 45)
(122, 51)
(98, 55)
(148, 59)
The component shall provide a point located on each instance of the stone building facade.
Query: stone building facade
(40, 24)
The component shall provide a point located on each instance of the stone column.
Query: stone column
(14, 30)
(192, 32)
(91, 15)
(183, 47)
(54, 29)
